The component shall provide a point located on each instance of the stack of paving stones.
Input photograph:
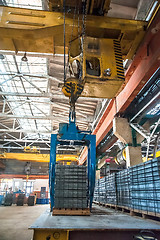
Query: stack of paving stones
(105, 190)
(96, 191)
(137, 188)
(102, 190)
(123, 188)
(111, 195)
(71, 187)
(145, 186)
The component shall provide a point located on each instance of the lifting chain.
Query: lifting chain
(84, 2)
(72, 104)
(64, 36)
(69, 48)
(73, 87)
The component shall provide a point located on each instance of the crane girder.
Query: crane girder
(42, 31)
(37, 157)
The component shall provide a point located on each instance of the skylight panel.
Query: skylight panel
(31, 78)
(34, 4)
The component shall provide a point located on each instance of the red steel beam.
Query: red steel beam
(145, 63)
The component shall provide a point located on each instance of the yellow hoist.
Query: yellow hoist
(95, 67)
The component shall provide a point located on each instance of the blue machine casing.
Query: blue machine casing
(71, 135)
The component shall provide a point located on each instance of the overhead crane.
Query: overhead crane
(38, 157)
(42, 31)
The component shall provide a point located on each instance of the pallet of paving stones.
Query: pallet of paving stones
(96, 191)
(136, 188)
(123, 188)
(79, 203)
(71, 187)
(68, 169)
(111, 191)
(105, 190)
(102, 190)
(71, 211)
(145, 186)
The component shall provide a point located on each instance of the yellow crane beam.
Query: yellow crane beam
(37, 157)
(42, 31)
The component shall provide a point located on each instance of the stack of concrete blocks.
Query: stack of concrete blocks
(145, 186)
(111, 192)
(96, 191)
(137, 188)
(123, 188)
(102, 190)
(71, 187)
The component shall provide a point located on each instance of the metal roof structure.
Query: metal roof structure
(34, 4)
(36, 103)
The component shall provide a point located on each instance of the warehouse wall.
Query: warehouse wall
(18, 167)
(40, 183)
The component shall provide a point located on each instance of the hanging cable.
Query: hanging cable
(84, 13)
(64, 12)
(70, 42)
(73, 86)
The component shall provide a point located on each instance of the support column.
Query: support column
(100, 165)
(123, 131)
(133, 156)
(52, 167)
(97, 174)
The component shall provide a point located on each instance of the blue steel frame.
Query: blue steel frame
(72, 136)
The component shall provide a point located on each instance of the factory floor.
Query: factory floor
(15, 220)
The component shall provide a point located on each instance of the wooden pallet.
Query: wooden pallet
(111, 206)
(71, 212)
(132, 212)
(106, 204)
(145, 214)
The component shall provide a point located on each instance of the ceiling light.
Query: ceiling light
(24, 58)
(1, 56)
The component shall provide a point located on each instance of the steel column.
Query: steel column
(52, 167)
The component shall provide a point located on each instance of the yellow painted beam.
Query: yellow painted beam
(36, 157)
(42, 31)
(151, 156)
(34, 19)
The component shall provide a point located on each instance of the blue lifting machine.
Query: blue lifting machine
(69, 134)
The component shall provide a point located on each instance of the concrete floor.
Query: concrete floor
(101, 218)
(15, 220)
